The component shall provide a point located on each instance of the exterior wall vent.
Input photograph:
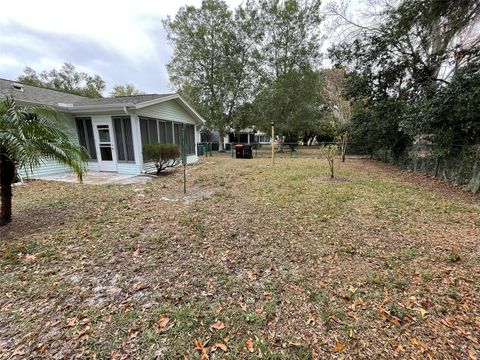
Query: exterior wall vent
(17, 87)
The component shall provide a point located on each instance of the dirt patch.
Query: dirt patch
(37, 220)
(330, 179)
(193, 194)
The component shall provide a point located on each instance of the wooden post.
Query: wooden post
(273, 143)
(184, 159)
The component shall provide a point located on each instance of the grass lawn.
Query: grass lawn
(258, 262)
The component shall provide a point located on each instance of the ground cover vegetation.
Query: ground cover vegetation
(405, 81)
(273, 262)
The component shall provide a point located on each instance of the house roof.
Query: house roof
(39, 95)
(134, 99)
(69, 102)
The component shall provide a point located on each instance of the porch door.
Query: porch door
(107, 158)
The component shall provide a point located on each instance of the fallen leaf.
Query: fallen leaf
(249, 345)
(422, 311)
(339, 347)
(163, 321)
(296, 288)
(294, 344)
(217, 325)
(200, 347)
(414, 341)
(323, 283)
(220, 346)
(382, 312)
(71, 322)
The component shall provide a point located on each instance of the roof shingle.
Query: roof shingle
(50, 97)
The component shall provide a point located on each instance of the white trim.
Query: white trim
(156, 101)
(108, 165)
(137, 141)
(179, 100)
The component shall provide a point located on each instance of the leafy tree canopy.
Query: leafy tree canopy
(125, 90)
(401, 69)
(66, 79)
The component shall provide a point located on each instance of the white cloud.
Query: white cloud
(130, 31)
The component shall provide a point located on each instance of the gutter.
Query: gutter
(103, 107)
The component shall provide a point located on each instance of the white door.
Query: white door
(107, 159)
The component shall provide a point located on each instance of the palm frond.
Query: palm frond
(30, 135)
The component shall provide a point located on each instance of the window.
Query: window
(169, 127)
(85, 136)
(123, 137)
(166, 132)
(177, 133)
(153, 131)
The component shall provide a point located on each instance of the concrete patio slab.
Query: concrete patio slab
(100, 178)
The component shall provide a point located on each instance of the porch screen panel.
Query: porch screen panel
(190, 135)
(117, 125)
(144, 131)
(127, 125)
(123, 138)
(85, 136)
(152, 132)
(162, 132)
(177, 133)
(169, 132)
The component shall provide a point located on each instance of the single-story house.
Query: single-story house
(113, 130)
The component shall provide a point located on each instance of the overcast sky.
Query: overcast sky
(122, 41)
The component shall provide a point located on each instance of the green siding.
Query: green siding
(130, 169)
(168, 110)
(50, 167)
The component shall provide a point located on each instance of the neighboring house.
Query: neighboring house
(243, 136)
(113, 130)
(248, 136)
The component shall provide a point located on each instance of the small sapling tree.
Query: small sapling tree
(163, 155)
(329, 153)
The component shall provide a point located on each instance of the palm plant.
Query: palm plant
(27, 136)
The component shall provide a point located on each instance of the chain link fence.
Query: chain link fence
(460, 166)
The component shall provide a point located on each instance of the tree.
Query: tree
(213, 58)
(412, 52)
(293, 103)
(292, 38)
(163, 155)
(329, 153)
(27, 136)
(289, 88)
(125, 90)
(340, 107)
(66, 79)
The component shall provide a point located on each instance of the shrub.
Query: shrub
(329, 153)
(163, 155)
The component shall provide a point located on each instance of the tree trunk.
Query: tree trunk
(474, 184)
(7, 175)
(221, 140)
(344, 146)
